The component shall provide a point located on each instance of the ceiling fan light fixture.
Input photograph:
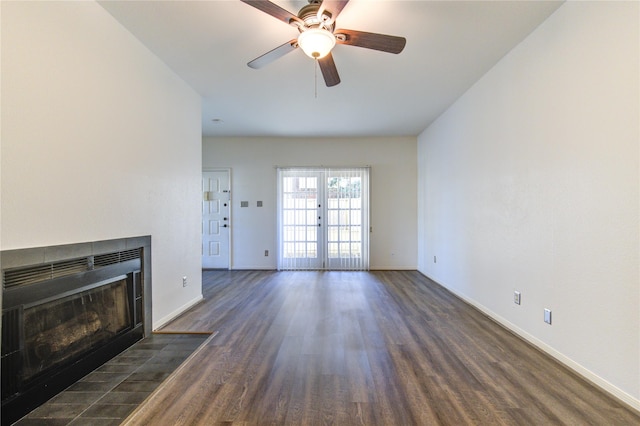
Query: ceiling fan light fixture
(316, 42)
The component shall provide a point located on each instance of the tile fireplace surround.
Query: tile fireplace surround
(74, 306)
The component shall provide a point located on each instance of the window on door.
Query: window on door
(323, 219)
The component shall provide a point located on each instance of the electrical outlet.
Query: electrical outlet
(516, 297)
(547, 315)
(184, 281)
(266, 253)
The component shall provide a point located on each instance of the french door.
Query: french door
(323, 219)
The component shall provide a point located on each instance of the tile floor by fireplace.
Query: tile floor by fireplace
(109, 394)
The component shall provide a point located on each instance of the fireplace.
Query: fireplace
(65, 311)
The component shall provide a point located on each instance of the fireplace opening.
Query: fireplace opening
(57, 331)
(63, 319)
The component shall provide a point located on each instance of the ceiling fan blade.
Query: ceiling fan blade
(274, 10)
(329, 70)
(382, 42)
(274, 54)
(334, 7)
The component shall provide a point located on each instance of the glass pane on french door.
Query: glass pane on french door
(300, 201)
(344, 220)
(323, 219)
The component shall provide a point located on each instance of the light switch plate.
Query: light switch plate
(547, 316)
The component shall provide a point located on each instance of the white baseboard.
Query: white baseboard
(173, 315)
(598, 381)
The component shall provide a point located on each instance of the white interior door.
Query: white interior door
(216, 219)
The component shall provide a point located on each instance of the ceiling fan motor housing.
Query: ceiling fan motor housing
(309, 14)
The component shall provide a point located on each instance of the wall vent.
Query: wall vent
(48, 271)
(101, 260)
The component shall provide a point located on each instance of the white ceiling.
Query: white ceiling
(450, 45)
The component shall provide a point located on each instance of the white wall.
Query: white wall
(100, 140)
(530, 182)
(253, 164)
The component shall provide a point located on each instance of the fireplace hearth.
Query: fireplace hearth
(66, 310)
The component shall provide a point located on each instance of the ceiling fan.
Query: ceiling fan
(316, 23)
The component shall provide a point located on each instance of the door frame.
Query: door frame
(228, 170)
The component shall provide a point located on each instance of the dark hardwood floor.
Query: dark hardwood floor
(356, 348)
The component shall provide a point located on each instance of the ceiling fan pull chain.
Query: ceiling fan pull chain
(315, 79)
